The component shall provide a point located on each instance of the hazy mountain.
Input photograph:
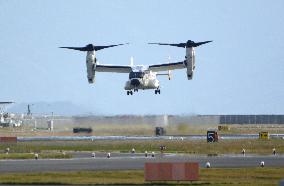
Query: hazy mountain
(63, 108)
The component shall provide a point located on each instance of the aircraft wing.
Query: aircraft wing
(167, 66)
(113, 68)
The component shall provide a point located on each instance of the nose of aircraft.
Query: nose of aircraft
(135, 82)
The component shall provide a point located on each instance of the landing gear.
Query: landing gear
(158, 91)
(129, 92)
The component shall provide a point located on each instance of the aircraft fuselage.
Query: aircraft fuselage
(142, 80)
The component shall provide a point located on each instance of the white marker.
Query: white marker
(207, 165)
(262, 163)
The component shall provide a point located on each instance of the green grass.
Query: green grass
(193, 147)
(214, 176)
(32, 156)
(138, 129)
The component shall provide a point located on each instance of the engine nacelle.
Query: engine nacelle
(190, 62)
(91, 66)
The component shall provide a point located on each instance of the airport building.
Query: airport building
(164, 120)
(251, 119)
(62, 123)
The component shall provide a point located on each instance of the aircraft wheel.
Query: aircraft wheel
(155, 91)
(131, 92)
(127, 92)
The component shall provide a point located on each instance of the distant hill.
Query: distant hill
(62, 108)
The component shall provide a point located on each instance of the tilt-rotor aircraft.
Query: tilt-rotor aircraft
(141, 77)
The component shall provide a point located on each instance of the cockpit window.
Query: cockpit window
(136, 75)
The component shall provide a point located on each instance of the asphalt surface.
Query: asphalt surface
(127, 161)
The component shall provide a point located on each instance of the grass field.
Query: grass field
(255, 146)
(216, 176)
(143, 129)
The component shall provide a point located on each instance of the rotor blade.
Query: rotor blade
(91, 47)
(176, 45)
(108, 46)
(76, 48)
(188, 44)
(6, 102)
(201, 43)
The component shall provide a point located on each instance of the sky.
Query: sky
(240, 72)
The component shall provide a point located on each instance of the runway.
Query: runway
(127, 161)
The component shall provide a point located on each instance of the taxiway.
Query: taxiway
(128, 161)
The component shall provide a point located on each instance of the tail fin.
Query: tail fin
(131, 61)
(170, 76)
